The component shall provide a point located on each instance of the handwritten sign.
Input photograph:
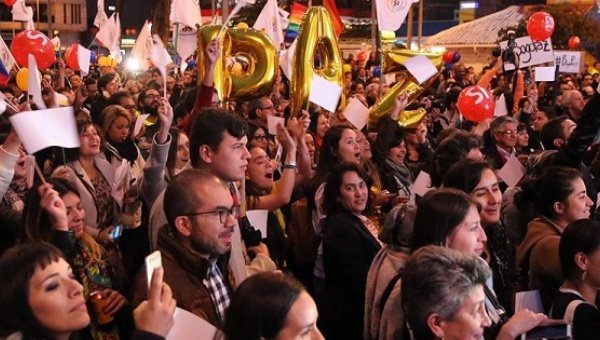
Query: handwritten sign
(569, 62)
(529, 52)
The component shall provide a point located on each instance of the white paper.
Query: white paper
(324, 93)
(356, 113)
(237, 261)
(531, 53)
(43, 128)
(422, 184)
(389, 78)
(258, 219)
(529, 299)
(153, 261)
(512, 171)
(569, 61)
(272, 122)
(61, 99)
(545, 73)
(139, 122)
(500, 107)
(188, 326)
(120, 174)
(420, 67)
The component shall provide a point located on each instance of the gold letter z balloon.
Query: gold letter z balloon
(316, 37)
(247, 66)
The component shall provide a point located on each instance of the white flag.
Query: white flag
(269, 20)
(21, 12)
(187, 42)
(286, 58)
(159, 56)
(101, 17)
(83, 59)
(185, 12)
(110, 36)
(34, 87)
(391, 14)
(115, 50)
(143, 44)
(6, 56)
(284, 15)
(55, 42)
(43, 128)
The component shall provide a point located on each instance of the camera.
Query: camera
(508, 55)
(250, 235)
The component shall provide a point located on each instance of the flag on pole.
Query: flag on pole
(160, 58)
(391, 14)
(6, 56)
(21, 12)
(101, 17)
(295, 20)
(269, 20)
(115, 50)
(187, 42)
(185, 12)
(285, 60)
(34, 88)
(110, 36)
(142, 46)
(338, 25)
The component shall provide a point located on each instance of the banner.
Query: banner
(531, 53)
(569, 61)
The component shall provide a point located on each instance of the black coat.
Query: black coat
(348, 250)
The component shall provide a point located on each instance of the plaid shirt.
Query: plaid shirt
(218, 289)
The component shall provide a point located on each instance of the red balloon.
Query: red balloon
(9, 2)
(448, 57)
(35, 43)
(540, 26)
(362, 56)
(574, 42)
(476, 104)
(71, 57)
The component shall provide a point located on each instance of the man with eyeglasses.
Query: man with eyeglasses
(503, 131)
(195, 245)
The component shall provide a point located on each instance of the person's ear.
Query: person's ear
(183, 225)
(581, 261)
(205, 153)
(558, 142)
(435, 324)
(559, 208)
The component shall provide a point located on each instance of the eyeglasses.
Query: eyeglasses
(267, 108)
(509, 132)
(130, 107)
(223, 213)
(152, 96)
(259, 138)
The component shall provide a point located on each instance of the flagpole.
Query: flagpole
(420, 25)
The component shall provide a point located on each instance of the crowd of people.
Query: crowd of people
(350, 251)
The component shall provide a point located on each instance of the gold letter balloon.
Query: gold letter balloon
(316, 37)
(247, 66)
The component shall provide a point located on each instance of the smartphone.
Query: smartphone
(116, 232)
(548, 332)
(153, 261)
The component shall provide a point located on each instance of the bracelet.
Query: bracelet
(290, 165)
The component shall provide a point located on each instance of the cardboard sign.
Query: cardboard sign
(569, 62)
(530, 53)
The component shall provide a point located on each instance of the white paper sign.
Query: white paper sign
(324, 93)
(272, 122)
(258, 219)
(188, 326)
(420, 67)
(138, 123)
(500, 107)
(512, 171)
(43, 128)
(356, 113)
(545, 73)
(237, 261)
(530, 53)
(569, 61)
(422, 184)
